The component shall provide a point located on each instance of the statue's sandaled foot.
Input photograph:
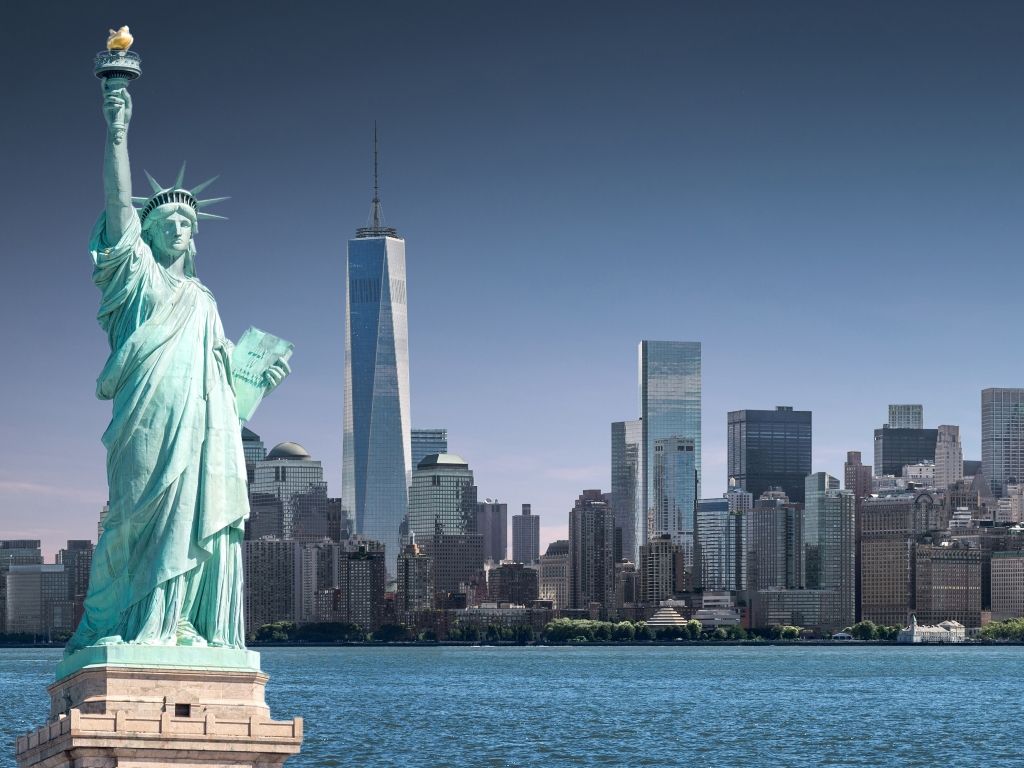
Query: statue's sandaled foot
(189, 635)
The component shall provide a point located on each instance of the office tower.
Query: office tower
(770, 449)
(670, 402)
(442, 517)
(442, 497)
(896, 447)
(427, 441)
(774, 543)
(889, 527)
(721, 562)
(857, 478)
(662, 569)
(554, 574)
(377, 450)
(948, 583)
(362, 576)
(15, 552)
(856, 475)
(491, 522)
(458, 560)
(339, 524)
(103, 518)
(904, 416)
(949, 456)
(76, 558)
(628, 588)
(526, 537)
(627, 487)
(273, 588)
(1002, 437)
(829, 536)
(318, 574)
(1007, 579)
(591, 567)
(675, 490)
(288, 496)
(37, 601)
(513, 583)
(254, 451)
(415, 583)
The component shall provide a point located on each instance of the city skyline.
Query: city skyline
(850, 182)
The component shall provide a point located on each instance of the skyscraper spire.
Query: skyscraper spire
(376, 226)
(376, 181)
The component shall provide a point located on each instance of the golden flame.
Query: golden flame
(120, 40)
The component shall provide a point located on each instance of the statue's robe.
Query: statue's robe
(169, 563)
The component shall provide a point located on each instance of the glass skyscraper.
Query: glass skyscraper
(670, 400)
(442, 498)
(627, 488)
(426, 442)
(770, 449)
(377, 461)
(1002, 437)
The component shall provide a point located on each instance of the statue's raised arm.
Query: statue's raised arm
(117, 176)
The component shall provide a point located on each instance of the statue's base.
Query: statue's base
(121, 709)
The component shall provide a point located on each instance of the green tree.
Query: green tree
(693, 629)
(864, 630)
(624, 631)
(392, 633)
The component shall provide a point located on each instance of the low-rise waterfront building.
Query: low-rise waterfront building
(947, 632)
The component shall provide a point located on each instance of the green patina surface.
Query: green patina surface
(166, 579)
(174, 657)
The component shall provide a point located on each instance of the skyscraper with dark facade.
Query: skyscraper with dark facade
(513, 583)
(526, 537)
(1002, 437)
(774, 543)
(670, 406)
(591, 567)
(376, 457)
(895, 448)
(492, 524)
(770, 449)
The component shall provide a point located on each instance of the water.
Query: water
(625, 706)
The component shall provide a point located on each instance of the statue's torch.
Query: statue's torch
(116, 67)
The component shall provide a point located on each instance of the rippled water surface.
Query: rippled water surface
(636, 706)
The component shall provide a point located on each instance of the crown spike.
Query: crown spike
(181, 177)
(203, 215)
(153, 182)
(200, 187)
(211, 201)
(140, 200)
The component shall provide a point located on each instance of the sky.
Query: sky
(826, 195)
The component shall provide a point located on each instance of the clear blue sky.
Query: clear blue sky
(827, 195)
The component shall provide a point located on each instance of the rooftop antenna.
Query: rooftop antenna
(376, 228)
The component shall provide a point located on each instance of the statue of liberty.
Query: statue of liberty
(168, 568)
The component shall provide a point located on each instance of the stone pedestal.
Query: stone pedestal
(137, 706)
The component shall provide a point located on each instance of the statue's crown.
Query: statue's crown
(177, 193)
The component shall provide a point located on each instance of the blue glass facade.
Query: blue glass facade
(670, 402)
(627, 485)
(376, 462)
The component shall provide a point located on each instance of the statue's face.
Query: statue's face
(171, 235)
